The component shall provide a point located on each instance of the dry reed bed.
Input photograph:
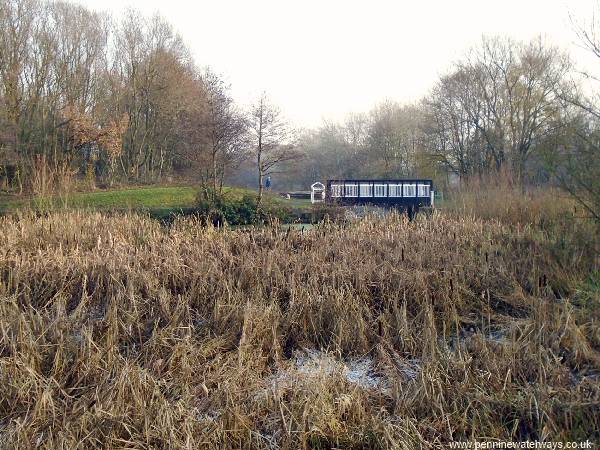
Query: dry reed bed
(116, 332)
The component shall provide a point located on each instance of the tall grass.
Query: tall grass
(116, 332)
(546, 211)
(50, 179)
(497, 197)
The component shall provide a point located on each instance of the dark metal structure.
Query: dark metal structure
(404, 194)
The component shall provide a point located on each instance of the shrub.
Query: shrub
(220, 208)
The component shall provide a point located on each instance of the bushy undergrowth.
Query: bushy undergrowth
(220, 208)
(116, 332)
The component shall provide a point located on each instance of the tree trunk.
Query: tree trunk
(260, 179)
(214, 172)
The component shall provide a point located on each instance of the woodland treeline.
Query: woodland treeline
(509, 107)
(113, 99)
(87, 95)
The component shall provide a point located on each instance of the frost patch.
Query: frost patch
(361, 372)
(409, 368)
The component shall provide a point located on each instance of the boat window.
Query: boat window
(351, 190)
(395, 190)
(380, 190)
(366, 190)
(423, 190)
(410, 190)
(336, 190)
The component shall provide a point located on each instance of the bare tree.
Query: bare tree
(449, 125)
(497, 104)
(225, 129)
(573, 153)
(155, 72)
(273, 140)
(212, 131)
(59, 60)
(394, 139)
(23, 51)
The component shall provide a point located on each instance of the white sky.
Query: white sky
(324, 59)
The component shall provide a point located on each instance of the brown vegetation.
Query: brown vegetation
(116, 332)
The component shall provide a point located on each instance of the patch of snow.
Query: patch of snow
(361, 372)
(410, 368)
(314, 362)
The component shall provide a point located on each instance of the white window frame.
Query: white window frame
(409, 190)
(336, 190)
(395, 190)
(351, 190)
(380, 190)
(366, 189)
(423, 190)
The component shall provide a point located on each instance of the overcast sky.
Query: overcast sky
(320, 60)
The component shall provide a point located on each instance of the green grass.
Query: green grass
(137, 198)
(159, 200)
(142, 198)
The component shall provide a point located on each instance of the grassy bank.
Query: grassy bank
(160, 201)
(129, 198)
(115, 331)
